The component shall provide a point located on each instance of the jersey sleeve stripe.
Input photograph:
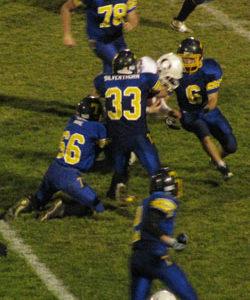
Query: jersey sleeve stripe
(131, 4)
(164, 205)
(213, 84)
(103, 143)
(77, 2)
(157, 87)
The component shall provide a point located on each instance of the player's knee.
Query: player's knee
(231, 145)
(231, 148)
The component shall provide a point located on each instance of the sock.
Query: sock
(187, 7)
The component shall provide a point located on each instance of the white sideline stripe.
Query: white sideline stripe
(225, 20)
(54, 285)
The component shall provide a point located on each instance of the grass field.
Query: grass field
(40, 81)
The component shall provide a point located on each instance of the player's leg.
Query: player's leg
(80, 191)
(140, 284)
(147, 153)
(33, 202)
(178, 24)
(175, 279)
(121, 154)
(140, 288)
(222, 131)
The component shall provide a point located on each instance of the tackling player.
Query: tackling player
(126, 92)
(197, 96)
(153, 231)
(188, 7)
(106, 21)
(76, 156)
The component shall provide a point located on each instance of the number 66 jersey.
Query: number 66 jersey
(77, 146)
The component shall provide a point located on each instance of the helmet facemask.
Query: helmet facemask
(189, 66)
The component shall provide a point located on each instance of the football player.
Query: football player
(178, 23)
(169, 67)
(76, 155)
(106, 21)
(153, 236)
(126, 92)
(197, 96)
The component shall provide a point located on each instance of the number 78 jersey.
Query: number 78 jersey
(126, 100)
(104, 18)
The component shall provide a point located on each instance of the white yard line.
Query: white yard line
(15, 243)
(226, 21)
(223, 19)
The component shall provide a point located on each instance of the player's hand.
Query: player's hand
(68, 40)
(180, 242)
(154, 108)
(127, 26)
(175, 113)
(171, 123)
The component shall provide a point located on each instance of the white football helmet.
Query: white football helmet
(170, 69)
(146, 65)
(163, 295)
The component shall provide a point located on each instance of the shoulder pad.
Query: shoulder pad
(165, 205)
(210, 67)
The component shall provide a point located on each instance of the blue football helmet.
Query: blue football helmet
(125, 58)
(90, 108)
(191, 51)
(166, 180)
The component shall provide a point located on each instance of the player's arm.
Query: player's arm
(132, 20)
(66, 10)
(152, 226)
(212, 102)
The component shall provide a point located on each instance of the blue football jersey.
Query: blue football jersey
(192, 93)
(104, 18)
(126, 100)
(146, 241)
(77, 146)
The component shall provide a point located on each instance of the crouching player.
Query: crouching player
(76, 155)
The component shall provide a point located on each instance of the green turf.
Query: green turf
(40, 82)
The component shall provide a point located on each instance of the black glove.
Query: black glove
(182, 238)
(3, 250)
(205, 109)
(171, 123)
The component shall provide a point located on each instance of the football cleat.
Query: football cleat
(171, 123)
(132, 159)
(23, 206)
(225, 172)
(121, 192)
(56, 211)
(180, 27)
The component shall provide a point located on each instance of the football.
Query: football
(163, 295)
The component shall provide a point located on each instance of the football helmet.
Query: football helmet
(163, 295)
(90, 108)
(166, 180)
(146, 65)
(170, 68)
(191, 51)
(125, 59)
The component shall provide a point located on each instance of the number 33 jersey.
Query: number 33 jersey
(77, 146)
(126, 100)
(192, 93)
